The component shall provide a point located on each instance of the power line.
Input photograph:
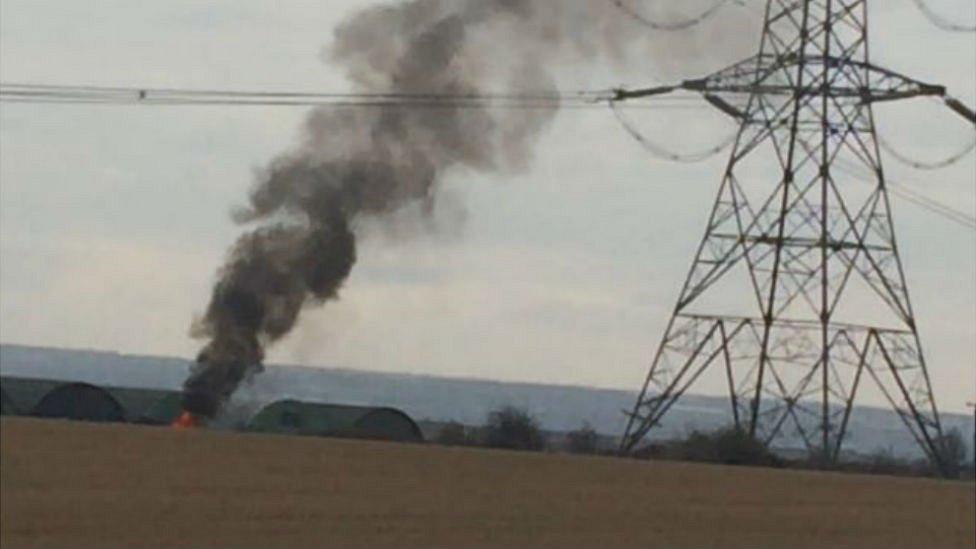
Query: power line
(347, 104)
(110, 91)
(904, 192)
(940, 21)
(927, 165)
(678, 25)
(662, 152)
(957, 216)
(576, 100)
(171, 96)
(95, 95)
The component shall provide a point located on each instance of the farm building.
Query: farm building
(86, 402)
(79, 401)
(305, 418)
(6, 405)
(25, 394)
(163, 410)
(83, 401)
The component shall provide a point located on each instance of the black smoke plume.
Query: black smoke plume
(359, 163)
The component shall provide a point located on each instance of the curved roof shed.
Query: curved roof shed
(310, 419)
(24, 396)
(21, 395)
(7, 407)
(80, 401)
(164, 410)
(143, 405)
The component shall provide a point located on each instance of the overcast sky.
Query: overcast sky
(113, 220)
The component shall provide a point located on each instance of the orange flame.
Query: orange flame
(186, 421)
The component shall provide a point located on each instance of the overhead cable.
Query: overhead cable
(904, 192)
(62, 94)
(957, 216)
(677, 25)
(177, 93)
(927, 165)
(940, 21)
(662, 152)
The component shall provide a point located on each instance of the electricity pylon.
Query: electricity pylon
(797, 290)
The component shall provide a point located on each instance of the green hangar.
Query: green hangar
(79, 401)
(306, 418)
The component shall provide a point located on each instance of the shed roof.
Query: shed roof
(6, 404)
(306, 418)
(24, 394)
(138, 403)
(164, 410)
(79, 401)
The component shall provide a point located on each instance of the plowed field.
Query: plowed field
(77, 485)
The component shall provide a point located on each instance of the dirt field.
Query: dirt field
(78, 485)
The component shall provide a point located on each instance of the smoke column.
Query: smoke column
(358, 163)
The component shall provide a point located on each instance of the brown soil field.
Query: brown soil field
(78, 485)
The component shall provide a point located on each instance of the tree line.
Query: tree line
(513, 428)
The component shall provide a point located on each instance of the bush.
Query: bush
(513, 429)
(455, 434)
(736, 447)
(729, 446)
(583, 440)
(884, 462)
(952, 450)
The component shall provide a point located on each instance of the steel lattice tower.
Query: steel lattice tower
(797, 290)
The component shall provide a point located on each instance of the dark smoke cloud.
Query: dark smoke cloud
(364, 164)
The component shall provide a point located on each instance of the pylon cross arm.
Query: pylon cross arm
(839, 78)
(836, 77)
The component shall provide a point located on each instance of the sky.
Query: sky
(114, 220)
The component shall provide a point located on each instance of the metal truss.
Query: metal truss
(808, 251)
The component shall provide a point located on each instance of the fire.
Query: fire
(186, 421)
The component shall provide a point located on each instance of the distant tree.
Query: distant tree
(730, 446)
(953, 451)
(514, 429)
(819, 457)
(737, 447)
(455, 434)
(884, 462)
(583, 440)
